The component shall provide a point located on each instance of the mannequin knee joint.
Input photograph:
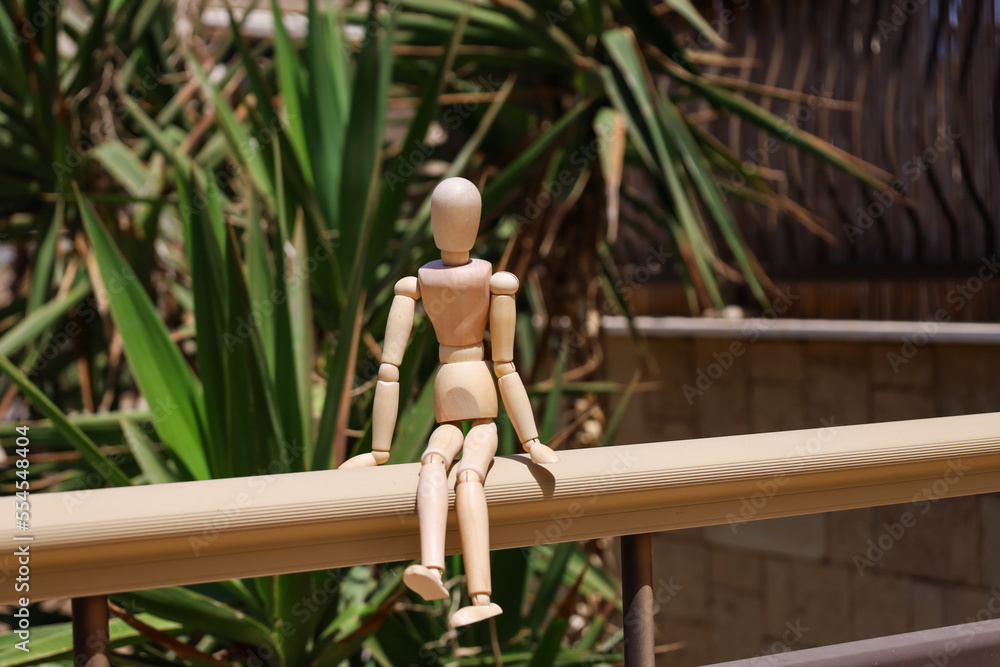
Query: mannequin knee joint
(432, 457)
(470, 476)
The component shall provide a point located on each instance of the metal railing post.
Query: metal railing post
(91, 642)
(637, 599)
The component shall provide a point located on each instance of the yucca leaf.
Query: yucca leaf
(688, 12)
(375, 62)
(614, 423)
(547, 34)
(102, 428)
(553, 402)
(401, 170)
(518, 168)
(260, 283)
(85, 60)
(358, 620)
(70, 431)
(50, 643)
(201, 213)
(254, 425)
(160, 371)
(482, 15)
(631, 80)
(396, 644)
(162, 138)
(656, 32)
(779, 127)
(700, 173)
(548, 587)
(363, 150)
(266, 127)
(323, 116)
(550, 644)
(123, 165)
(595, 580)
(37, 321)
(293, 331)
(244, 149)
(290, 83)
(153, 465)
(418, 227)
(511, 568)
(611, 128)
(290, 590)
(142, 16)
(199, 611)
(49, 231)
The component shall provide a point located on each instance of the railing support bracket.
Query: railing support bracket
(637, 599)
(91, 641)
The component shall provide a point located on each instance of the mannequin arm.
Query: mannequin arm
(386, 404)
(503, 317)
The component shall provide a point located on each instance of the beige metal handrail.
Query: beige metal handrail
(114, 540)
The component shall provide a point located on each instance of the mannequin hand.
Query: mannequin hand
(368, 460)
(540, 453)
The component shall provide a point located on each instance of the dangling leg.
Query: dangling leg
(474, 523)
(432, 509)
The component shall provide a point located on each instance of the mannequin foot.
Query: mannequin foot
(540, 453)
(480, 609)
(425, 581)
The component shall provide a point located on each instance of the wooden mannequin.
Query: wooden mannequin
(459, 295)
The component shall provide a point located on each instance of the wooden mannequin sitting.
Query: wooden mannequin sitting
(459, 295)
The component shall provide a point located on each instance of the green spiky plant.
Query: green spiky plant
(269, 253)
(214, 225)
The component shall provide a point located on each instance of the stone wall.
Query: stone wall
(786, 584)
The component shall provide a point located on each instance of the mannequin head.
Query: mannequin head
(455, 210)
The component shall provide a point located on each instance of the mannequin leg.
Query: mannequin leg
(473, 522)
(432, 510)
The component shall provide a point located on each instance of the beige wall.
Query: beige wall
(740, 590)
